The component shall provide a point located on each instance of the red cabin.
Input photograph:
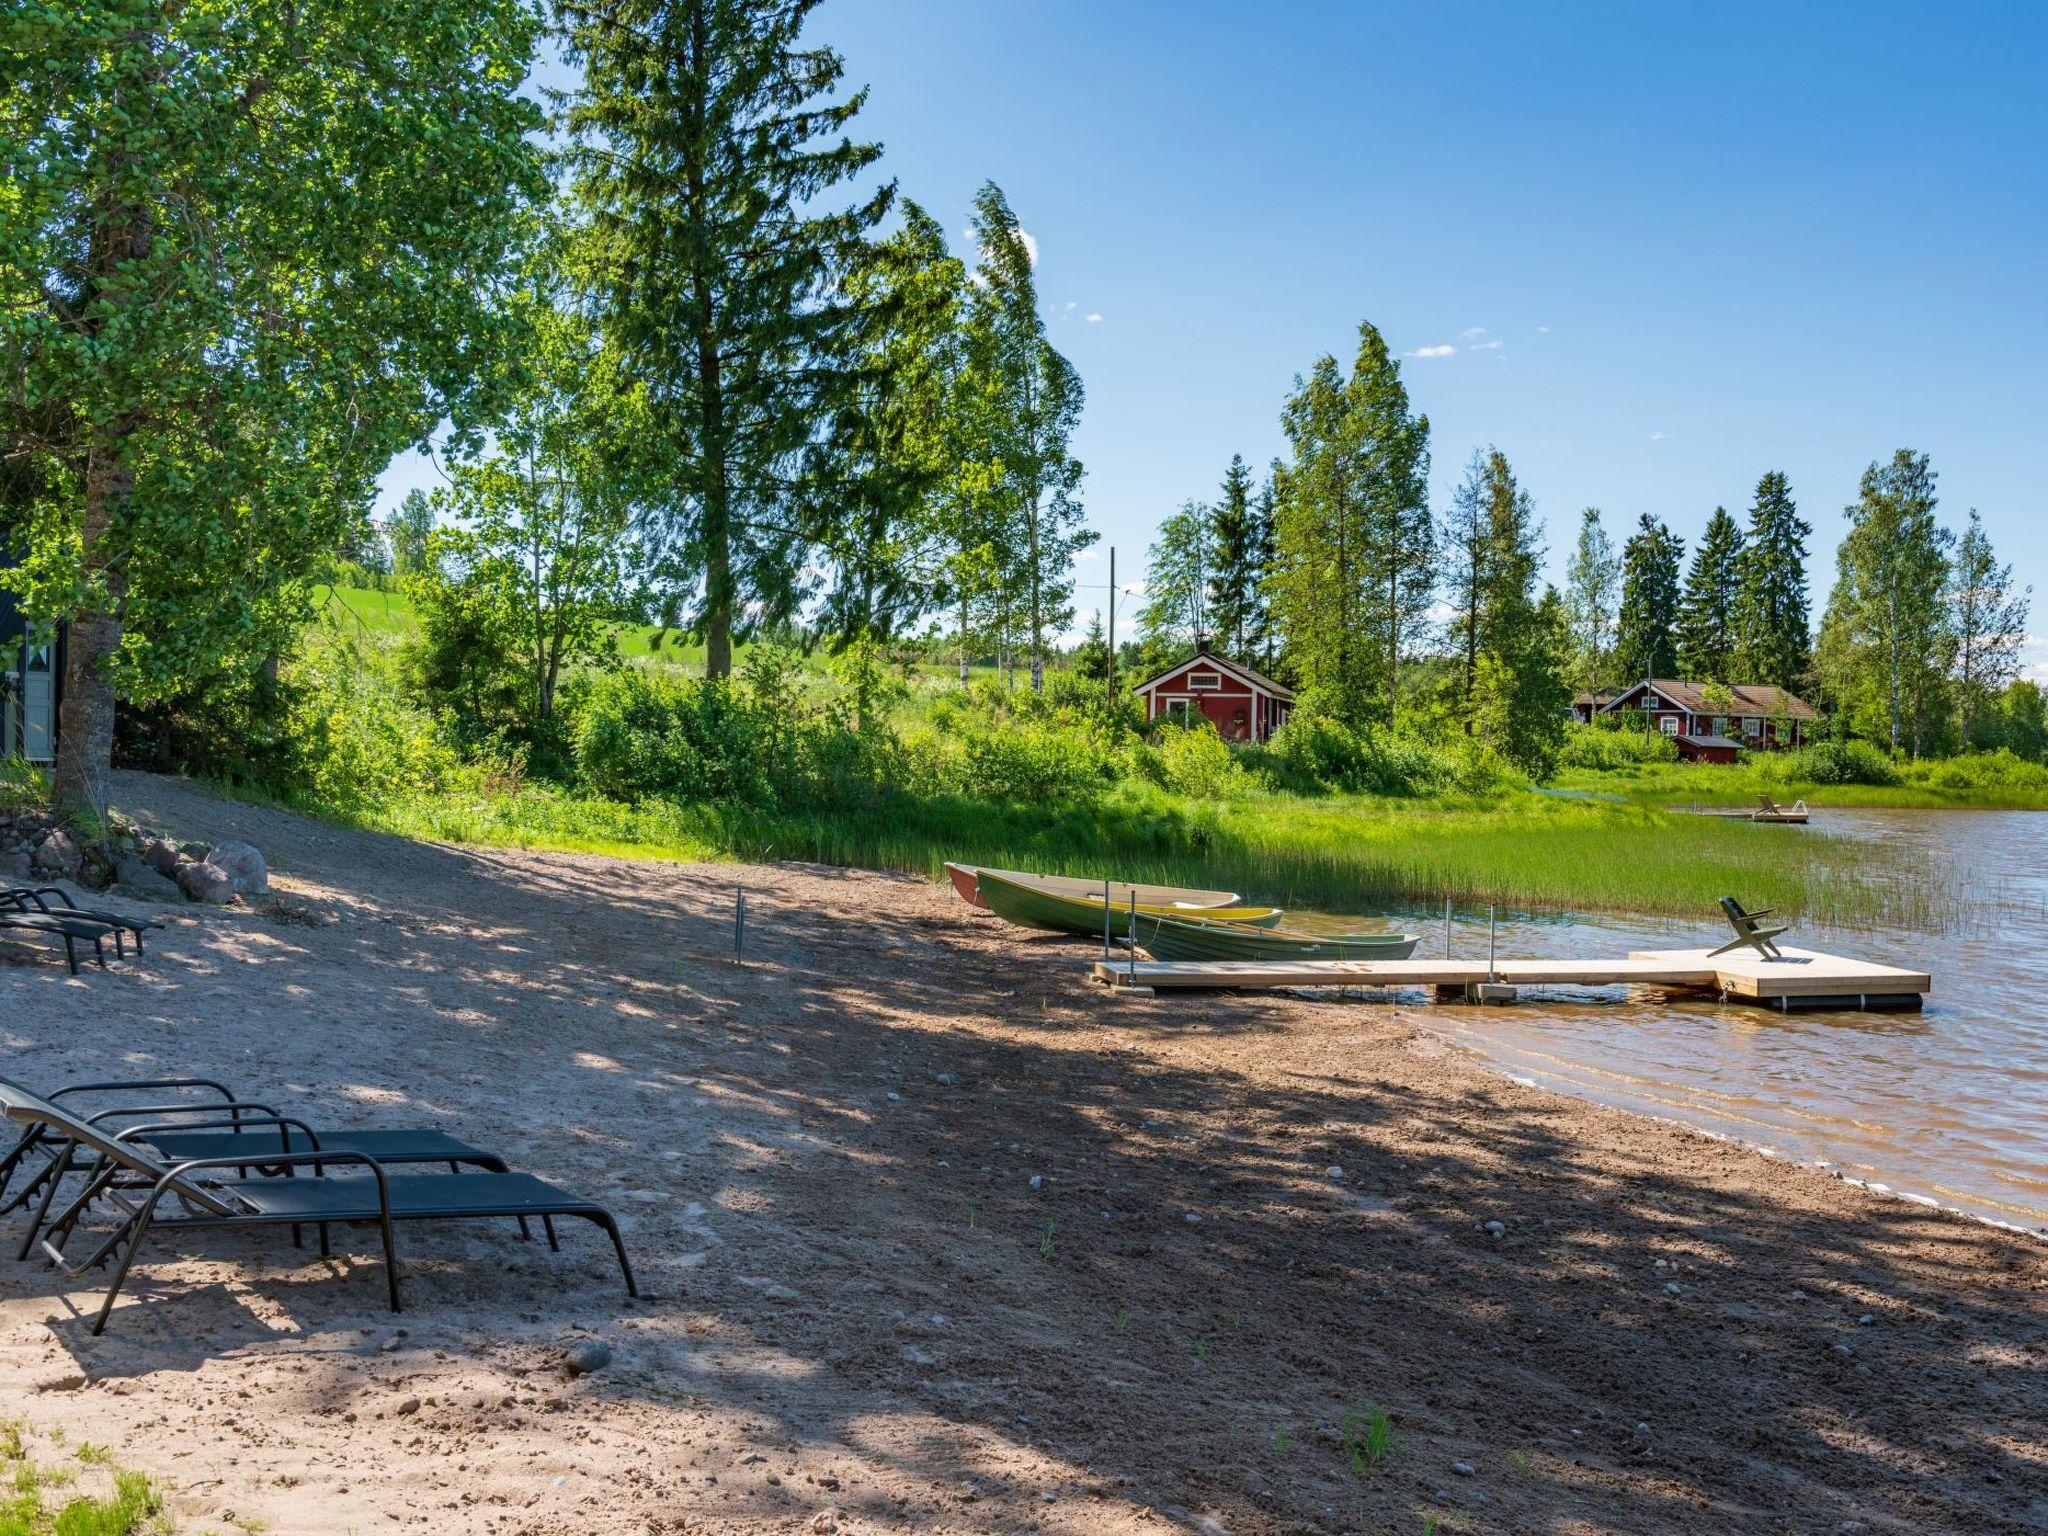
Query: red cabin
(1757, 717)
(1242, 704)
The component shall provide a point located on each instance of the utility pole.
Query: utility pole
(1109, 669)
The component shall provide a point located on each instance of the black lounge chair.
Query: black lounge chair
(1751, 931)
(36, 899)
(223, 1127)
(71, 930)
(137, 1186)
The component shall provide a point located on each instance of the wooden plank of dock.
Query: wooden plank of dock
(1799, 974)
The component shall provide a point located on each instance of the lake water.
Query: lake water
(1950, 1103)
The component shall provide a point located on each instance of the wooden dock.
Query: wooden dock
(1802, 979)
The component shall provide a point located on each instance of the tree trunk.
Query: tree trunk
(1393, 632)
(1892, 655)
(85, 726)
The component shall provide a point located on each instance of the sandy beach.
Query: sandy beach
(934, 1236)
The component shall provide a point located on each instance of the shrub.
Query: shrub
(1195, 760)
(1986, 770)
(641, 734)
(1587, 746)
(351, 738)
(1315, 755)
(1030, 762)
(1835, 762)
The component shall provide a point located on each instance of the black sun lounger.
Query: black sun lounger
(140, 1190)
(223, 1127)
(36, 899)
(73, 931)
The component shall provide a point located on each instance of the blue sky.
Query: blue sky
(1668, 248)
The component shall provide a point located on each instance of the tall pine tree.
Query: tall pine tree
(1646, 636)
(1237, 615)
(1706, 616)
(1772, 640)
(706, 143)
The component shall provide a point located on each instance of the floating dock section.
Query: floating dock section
(1801, 978)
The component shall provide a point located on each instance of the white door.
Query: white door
(39, 704)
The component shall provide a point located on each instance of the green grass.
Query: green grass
(1684, 784)
(41, 1501)
(1340, 854)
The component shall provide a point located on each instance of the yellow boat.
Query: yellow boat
(1030, 905)
(966, 880)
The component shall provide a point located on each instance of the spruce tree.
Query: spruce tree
(1236, 608)
(1646, 636)
(1772, 640)
(1706, 616)
(706, 142)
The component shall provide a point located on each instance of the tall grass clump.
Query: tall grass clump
(1611, 751)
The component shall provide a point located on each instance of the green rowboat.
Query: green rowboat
(1032, 906)
(1173, 938)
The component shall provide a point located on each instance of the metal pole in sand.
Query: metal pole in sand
(1491, 974)
(1134, 936)
(1105, 919)
(739, 925)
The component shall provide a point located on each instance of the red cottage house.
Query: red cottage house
(1242, 704)
(1760, 718)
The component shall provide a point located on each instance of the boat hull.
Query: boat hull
(966, 880)
(1165, 938)
(1029, 905)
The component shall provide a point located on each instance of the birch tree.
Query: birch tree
(247, 253)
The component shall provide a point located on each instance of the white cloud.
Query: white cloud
(1472, 333)
(1485, 346)
(1542, 330)
(1444, 351)
(1657, 437)
(1094, 318)
(1070, 306)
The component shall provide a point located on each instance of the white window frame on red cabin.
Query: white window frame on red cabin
(1203, 682)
